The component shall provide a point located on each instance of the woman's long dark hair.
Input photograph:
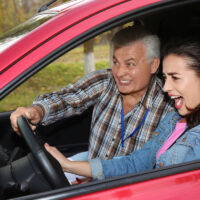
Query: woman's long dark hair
(189, 48)
(193, 119)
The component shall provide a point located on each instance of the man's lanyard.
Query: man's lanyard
(137, 128)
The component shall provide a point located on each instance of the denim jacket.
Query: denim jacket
(186, 148)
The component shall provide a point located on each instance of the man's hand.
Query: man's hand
(33, 114)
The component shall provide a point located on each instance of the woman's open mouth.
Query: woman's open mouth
(178, 101)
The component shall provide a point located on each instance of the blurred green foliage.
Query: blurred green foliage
(52, 78)
(14, 12)
(67, 69)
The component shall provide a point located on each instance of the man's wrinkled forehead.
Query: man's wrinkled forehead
(133, 48)
(130, 53)
(131, 43)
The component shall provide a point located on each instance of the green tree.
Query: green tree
(11, 14)
(14, 12)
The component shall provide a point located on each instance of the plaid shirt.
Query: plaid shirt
(99, 89)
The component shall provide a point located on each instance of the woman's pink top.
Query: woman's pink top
(179, 129)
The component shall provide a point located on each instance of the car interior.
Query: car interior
(71, 135)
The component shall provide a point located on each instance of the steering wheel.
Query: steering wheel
(46, 162)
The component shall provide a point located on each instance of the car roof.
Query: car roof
(70, 22)
(79, 3)
(83, 13)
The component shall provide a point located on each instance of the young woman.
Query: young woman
(177, 138)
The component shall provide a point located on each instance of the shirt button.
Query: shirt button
(156, 133)
(183, 140)
(161, 164)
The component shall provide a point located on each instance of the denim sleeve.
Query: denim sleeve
(96, 169)
(140, 160)
(137, 161)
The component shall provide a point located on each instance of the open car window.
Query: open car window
(12, 36)
(66, 65)
(68, 68)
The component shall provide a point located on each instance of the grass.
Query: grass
(67, 69)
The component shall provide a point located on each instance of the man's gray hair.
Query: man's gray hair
(152, 44)
(136, 33)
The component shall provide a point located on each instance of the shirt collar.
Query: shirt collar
(147, 99)
(155, 87)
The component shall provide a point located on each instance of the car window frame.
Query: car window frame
(80, 39)
(117, 181)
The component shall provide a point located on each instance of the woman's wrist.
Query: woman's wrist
(68, 166)
(77, 167)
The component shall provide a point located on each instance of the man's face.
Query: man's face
(130, 69)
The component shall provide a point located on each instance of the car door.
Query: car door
(172, 182)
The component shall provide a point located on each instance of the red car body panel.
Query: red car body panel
(69, 24)
(74, 19)
(182, 186)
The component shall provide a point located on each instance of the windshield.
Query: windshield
(21, 30)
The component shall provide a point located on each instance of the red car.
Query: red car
(52, 33)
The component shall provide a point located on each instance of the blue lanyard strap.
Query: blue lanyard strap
(137, 128)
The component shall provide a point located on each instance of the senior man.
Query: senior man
(128, 99)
